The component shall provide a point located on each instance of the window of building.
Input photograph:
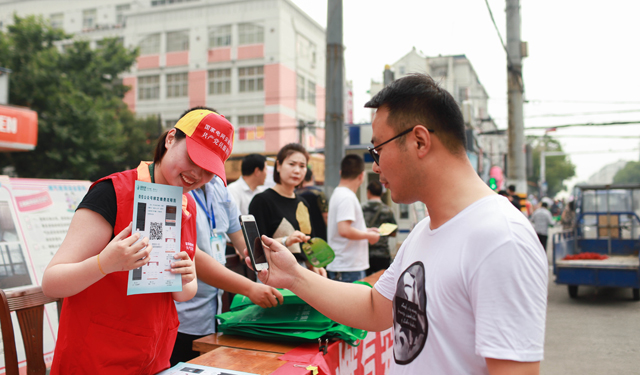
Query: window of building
(311, 92)
(168, 124)
(120, 10)
(300, 84)
(220, 36)
(250, 127)
(219, 81)
(250, 33)
(463, 94)
(251, 78)
(57, 20)
(177, 85)
(150, 45)
(89, 18)
(149, 87)
(178, 41)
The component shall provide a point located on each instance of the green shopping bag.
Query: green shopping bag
(294, 320)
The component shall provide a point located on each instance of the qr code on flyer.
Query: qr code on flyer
(155, 232)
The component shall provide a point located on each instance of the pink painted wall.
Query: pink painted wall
(275, 135)
(320, 103)
(177, 58)
(148, 61)
(219, 54)
(197, 87)
(254, 51)
(279, 86)
(131, 95)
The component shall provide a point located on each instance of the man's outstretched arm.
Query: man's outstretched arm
(354, 305)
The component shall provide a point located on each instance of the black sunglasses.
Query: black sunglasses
(374, 152)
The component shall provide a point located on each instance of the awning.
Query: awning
(18, 129)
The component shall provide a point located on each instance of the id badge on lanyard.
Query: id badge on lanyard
(218, 246)
(217, 241)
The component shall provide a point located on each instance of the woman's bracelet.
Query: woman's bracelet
(284, 241)
(100, 267)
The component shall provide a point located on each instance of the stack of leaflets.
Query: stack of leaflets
(188, 369)
(294, 320)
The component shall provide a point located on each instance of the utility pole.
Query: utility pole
(516, 172)
(334, 115)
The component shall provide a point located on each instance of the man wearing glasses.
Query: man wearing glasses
(467, 291)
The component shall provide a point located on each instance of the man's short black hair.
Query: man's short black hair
(417, 99)
(351, 166)
(251, 162)
(511, 188)
(375, 188)
(309, 175)
(544, 204)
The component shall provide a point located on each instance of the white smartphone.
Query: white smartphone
(254, 243)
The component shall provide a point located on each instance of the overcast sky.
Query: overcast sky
(583, 64)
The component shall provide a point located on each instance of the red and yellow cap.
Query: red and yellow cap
(209, 140)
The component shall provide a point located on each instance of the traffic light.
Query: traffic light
(493, 184)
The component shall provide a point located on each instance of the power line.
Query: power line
(585, 124)
(600, 152)
(589, 136)
(583, 113)
(498, 32)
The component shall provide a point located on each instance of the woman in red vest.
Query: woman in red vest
(102, 330)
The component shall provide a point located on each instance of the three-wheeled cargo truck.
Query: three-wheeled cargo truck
(606, 226)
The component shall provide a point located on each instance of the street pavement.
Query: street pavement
(597, 333)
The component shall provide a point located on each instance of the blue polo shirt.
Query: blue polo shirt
(197, 316)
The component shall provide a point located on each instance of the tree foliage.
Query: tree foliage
(85, 131)
(629, 174)
(557, 168)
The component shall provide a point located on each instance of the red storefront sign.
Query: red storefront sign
(18, 129)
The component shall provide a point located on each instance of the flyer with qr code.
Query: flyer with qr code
(157, 215)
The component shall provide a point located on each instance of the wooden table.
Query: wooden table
(253, 361)
(217, 340)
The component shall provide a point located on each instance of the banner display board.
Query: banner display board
(34, 218)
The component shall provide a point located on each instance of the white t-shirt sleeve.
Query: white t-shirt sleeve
(346, 209)
(386, 284)
(508, 293)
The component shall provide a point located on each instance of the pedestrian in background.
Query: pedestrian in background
(347, 231)
(568, 217)
(542, 220)
(279, 212)
(254, 173)
(318, 207)
(377, 213)
(513, 197)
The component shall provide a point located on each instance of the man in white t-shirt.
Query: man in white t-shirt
(347, 233)
(254, 173)
(467, 291)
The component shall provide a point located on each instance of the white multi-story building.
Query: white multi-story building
(261, 63)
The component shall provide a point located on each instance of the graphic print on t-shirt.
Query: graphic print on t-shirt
(410, 323)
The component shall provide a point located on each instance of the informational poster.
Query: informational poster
(34, 218)
(157, 215)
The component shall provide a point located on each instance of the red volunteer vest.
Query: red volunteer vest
(104, 331)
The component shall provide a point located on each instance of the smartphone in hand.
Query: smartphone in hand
(253, 242)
